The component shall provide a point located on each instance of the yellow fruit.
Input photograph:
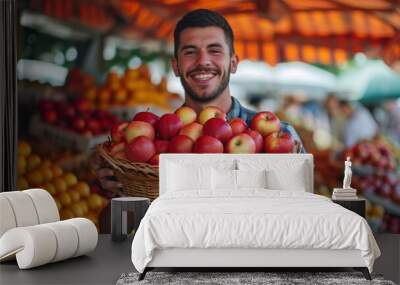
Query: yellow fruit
(66, 214)
(83, 189)
(77, 210)
(46, 172)
(24, 148)
(70, 179)
(34, 178)
(65, 199)
(95, 201)
(33, 161)
(84, 206)
(57, 171)
(21, 164)
(75, 196)
(58, 204)
(22, 183)
(49, 187)
(60, 184)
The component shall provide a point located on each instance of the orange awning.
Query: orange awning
(324, 31)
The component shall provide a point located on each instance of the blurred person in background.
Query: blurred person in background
(336, 120)
(360, 125)
(388, 117)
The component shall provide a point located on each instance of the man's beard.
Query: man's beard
(204, 99)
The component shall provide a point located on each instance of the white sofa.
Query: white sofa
(31, 231)
(286, 172)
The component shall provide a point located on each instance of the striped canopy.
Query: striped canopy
(315, 31)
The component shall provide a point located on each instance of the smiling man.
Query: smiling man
(204, 58)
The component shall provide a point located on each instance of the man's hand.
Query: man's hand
(105, 175)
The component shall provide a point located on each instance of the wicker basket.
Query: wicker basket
(138, 179)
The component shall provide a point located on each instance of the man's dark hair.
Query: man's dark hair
(202, 18)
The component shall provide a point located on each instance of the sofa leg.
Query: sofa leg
(364, 271)
(143, 274)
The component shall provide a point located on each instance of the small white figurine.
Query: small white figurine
(347, 174)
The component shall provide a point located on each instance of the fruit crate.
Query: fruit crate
(63, 137)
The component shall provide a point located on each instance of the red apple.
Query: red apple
(45, 105)
(278, 142)
(140, 149)
(208, 144)
(186, 114)
(258, 139)
(218, 128)
(180, 144)
(94, 125)
(265, 123)
(169, 126)
(79, 124)
(161, 146)
(147, 117)
(118, 131)
(155, 159)
(193, 130)
(238, 126)
(241, 143)
(137, 129)
(82, 105)
(118, 147)
(210, 112)
(50, 116)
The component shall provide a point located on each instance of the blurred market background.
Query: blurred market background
(85, 64)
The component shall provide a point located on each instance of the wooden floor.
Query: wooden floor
(110, 259)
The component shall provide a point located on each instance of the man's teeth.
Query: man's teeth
(203, 76)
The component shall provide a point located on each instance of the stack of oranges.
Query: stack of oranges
(132, 89)
(73, 198)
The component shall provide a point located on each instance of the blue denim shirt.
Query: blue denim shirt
(238, 111)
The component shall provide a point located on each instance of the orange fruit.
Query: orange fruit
(33, 161)
(60, 184)
(70, 179)
(75, 196)
(66, 214)
(34, 178)
(57, 171)
(24, 148)
(49, 187)
(22, 183)
(90, 94)
(83, 189)
(65, 199)
(21, 164)
(119, 96)
(104, 95)
(131, 73)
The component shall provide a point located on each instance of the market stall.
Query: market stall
(86, 66)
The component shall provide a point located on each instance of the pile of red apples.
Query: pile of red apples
(77, 116)
(185, 131)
